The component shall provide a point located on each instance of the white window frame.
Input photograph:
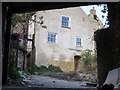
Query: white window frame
(51, 37)
(81, 44)
(68, 21)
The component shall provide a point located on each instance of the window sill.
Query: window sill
(51, 42)
(66, 27)
(79, 46)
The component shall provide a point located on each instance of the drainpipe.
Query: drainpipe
(33, 48)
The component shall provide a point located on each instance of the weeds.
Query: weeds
(44, 69)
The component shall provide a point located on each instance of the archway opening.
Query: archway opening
(54, 38)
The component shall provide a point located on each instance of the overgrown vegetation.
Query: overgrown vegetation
(50, 69)
(27, 71)
(12, 69)
(105, 11)
(14, 74)
(23, 19)
(88, 58)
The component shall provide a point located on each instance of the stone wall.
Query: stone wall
(64, 49)
(114, 17)
(103, 45)
(108, 43)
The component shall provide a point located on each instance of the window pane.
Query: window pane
(51, 37)
(65, 21)
(78, 41)
(63, 18)
(66, 24)
(54, 35)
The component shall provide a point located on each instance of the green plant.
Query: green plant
(23, 17)
(41, 21)
(52, 68)
(14, 74)
(27, 71)
(43, 69)
(105, 11)
(95, 17)
(88, 58)
(12, 69)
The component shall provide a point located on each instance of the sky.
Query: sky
(98, 9)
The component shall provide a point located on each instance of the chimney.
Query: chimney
(93, 11)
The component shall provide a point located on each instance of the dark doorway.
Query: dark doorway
(76, 62)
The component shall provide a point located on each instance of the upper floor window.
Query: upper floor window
(52, 37)
(78, 41)
(65, 21)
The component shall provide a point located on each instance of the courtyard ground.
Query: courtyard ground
(49, 82)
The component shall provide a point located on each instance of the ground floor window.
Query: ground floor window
(78, 42)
